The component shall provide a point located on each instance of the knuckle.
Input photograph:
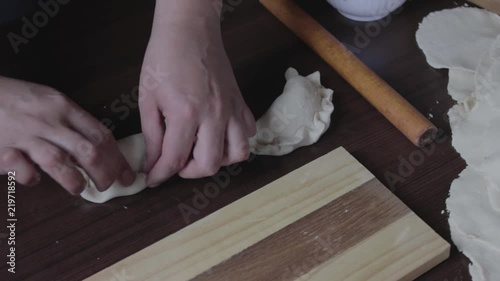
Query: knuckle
(188, 111)
(210, 169)
(242, 155)
(53, 158)
(89, 153)
(56, 97)
(10, 156)
(105, 131)
(241, 152)
(47, 90)
(177, 164)
(60, 105)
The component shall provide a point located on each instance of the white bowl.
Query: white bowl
(366, 10)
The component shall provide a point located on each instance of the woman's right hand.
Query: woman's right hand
(41, 127)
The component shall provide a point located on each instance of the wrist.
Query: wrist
(185, 11)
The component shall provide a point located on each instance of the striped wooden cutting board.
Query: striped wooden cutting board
(328, 220)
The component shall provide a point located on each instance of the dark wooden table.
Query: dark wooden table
(93, 50)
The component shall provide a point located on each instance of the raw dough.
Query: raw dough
(134, 151)
(474, 224)
(467, 42)
(458, 35)
(296, 118)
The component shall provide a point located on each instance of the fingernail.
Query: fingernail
(144, 167)
(128, 177)
(153, 185)
(79, 190)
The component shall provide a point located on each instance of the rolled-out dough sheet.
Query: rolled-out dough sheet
(297, 118)
(474, 224)
(460, 36)
(467, 42)
(461, 85)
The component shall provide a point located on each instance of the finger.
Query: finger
(176, 149)
(207, 153)
(13, 160)
(96, 150)
(153, 128)
(56, 163)
(237, 147)
(249, 120)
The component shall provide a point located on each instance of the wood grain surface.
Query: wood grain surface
(324, 217)
(92, 51)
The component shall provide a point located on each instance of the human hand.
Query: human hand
(194, 119)
(41, 127)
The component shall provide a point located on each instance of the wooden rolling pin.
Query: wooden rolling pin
(383, 97)
(492, 5)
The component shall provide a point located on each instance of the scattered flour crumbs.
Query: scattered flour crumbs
(467, 42)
